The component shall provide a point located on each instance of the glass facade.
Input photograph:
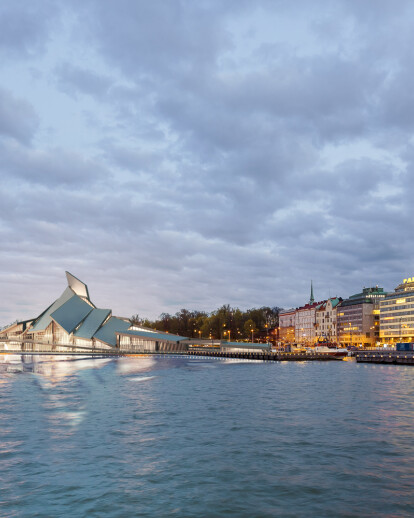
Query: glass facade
(358, 318)
(397, 314)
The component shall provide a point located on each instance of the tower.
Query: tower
(311, 300)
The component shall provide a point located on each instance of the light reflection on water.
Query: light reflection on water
(160, 436)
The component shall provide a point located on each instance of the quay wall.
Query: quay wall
(265, 356)
(389, 357)
(13, 346)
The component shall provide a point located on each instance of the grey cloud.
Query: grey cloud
(18, 119)
(157, 36)
(209, 184)
(73, 80)
(135, 160)
(51, 168)
(25, 27)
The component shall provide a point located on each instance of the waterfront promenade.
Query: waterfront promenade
(13, 346)
(391, 357)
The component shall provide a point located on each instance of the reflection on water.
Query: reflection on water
(133, 365)
(52, 367)
(161, 436)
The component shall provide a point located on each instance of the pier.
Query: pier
(264, 356)
(13, 346)
(390, 357)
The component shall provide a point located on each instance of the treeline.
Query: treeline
(224, 323)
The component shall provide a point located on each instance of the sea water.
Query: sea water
(186, 437)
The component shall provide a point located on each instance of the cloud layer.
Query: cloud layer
(190, 154)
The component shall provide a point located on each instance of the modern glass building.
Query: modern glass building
(397, 314)
(358, 318)
(72, 323)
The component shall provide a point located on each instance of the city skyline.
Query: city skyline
(307, 302)
(199, 154)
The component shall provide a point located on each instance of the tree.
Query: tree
(135, 320)
(249, 327)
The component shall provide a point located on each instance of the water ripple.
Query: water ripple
(242, 439)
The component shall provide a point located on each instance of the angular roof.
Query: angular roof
(156, 335)
(333, 300)
(336, 301)
(92, 323)
(77, 286)
(107, 332)
(44, 319)
(71, 313)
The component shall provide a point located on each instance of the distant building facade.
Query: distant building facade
(397, 314)
(358, 318)
(305, 324)
(287, 325)
(326, 320)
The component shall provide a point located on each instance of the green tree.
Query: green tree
(249, 328)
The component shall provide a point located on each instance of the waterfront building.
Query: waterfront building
(245, 347)
(72, 323)
(305, 323)
(358, 318)
(149, 341)
(326, 320)
(287, 325)
(396, 314)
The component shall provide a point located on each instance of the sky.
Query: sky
(179, 154)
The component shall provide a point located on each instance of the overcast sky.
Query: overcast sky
(183, 153)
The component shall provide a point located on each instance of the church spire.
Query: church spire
(311, 300)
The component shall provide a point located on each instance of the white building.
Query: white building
(326, 320)
(305, 324)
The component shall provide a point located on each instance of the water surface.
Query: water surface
(165, 436)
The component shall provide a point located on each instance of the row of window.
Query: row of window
(397, 299)
(385, 320)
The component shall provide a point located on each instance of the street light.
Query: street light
(252, 334)
(223, 331)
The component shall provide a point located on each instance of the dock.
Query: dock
(265, 356)
(390, 357)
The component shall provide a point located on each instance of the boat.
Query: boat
(331, 351)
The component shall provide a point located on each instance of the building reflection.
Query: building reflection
(53, 368)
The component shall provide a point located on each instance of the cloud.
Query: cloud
(50, 168)
(213, 152)
(74, 80)
(25, 27)
(18, 118)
